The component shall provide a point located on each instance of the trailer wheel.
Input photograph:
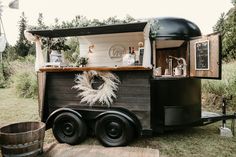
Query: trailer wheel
(69, 128)
(114, 130)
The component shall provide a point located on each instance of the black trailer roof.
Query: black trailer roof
(107, 29)
(176, 28)
(168, 28)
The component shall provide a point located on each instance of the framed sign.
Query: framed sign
(202, 61)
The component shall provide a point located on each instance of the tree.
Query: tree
(226, 25)
(10, 53)
(219, 27)
(56, 21)
(82, 21)
(41, 24)
(22, 44)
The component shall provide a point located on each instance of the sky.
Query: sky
(204, 13)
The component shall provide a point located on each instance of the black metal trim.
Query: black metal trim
(107, 29)
(210, 120)
(220, 57)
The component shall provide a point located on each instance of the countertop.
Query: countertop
(71, 69)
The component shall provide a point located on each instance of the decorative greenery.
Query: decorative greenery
(82, 21)
(75, 57)
(154, 28)
(81, 61)
(58, 44)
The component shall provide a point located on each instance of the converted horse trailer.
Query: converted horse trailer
(120, 94)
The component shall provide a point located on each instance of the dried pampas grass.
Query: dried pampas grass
(105, 92)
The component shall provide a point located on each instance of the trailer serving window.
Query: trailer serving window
(109, 49)
(179, 50)
(123, 45)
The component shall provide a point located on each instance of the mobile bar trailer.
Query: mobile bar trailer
(133, 85)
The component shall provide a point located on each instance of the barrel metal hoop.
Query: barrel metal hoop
(37, 151)
(22, 145)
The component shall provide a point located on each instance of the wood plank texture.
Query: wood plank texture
(214, 48)
(22, 139)
(133, 93)
(98, 68)
(41, 76)
(103, 43)
(162, 55)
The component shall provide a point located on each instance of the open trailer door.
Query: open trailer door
(205, 57)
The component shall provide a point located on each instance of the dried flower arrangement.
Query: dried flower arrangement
(104, 94)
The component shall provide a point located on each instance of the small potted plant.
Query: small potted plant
(81, 61)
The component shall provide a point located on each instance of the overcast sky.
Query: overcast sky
(202, 12)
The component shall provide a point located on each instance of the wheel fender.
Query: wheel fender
(53, 115)
(131, 118)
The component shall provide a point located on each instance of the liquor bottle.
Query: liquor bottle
(129, 50)
(132, 52)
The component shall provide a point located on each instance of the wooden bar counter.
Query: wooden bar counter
(73, 69)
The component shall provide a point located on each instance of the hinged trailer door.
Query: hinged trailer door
(205, 58)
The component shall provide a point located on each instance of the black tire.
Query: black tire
(69, 128)
(114, 130)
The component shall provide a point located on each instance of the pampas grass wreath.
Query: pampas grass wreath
(105, 92)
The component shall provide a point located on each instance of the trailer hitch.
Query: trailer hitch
(210, 118)
(224, 131)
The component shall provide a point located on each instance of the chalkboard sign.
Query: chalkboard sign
(202, 55)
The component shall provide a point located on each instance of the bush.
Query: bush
(4, 74)
(214, 89)
(25, 84)
(2, 79)
(23, 78)
(10, 53)
(22, 64)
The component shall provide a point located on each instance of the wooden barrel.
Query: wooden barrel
(22, 139)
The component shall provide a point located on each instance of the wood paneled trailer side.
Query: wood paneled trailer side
(132, 103)
(146, 102)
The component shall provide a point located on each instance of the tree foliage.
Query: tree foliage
(22, 44)
(226, 25)
(41, 24)
(82, 21)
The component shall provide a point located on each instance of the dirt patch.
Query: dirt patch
(64, 150)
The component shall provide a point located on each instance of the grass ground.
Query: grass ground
(192, 142)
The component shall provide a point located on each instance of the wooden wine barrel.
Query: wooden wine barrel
(22, 139)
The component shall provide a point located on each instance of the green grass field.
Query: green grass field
(197, 142)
